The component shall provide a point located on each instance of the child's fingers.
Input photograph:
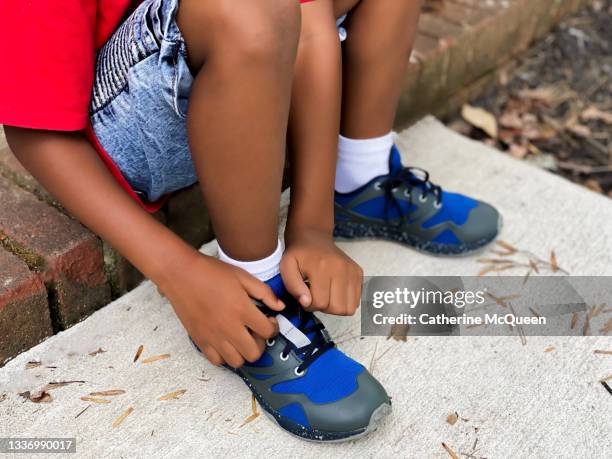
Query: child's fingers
(262, 292)
(338, 303)
(294, 282)
(230, 355)
(212, 355)
(353, 296)
(320, 286)
(245, 344)
(258, 323)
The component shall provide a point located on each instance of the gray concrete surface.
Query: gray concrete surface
(513, 400)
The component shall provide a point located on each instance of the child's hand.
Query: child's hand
(335, 279)
(213, 301)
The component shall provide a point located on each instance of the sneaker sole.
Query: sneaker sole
(314, 435)
(351, 231)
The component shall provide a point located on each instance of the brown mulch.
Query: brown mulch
(554, 106)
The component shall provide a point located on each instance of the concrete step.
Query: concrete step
(515, 400)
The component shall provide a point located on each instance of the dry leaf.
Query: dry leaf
(580, 130)
(37, 397)
(57, 384)
(97, 351)
(33, 364)
(480, 118)
(156, 358)
(486, 270)
(607, 328)
(594, 113)
(511, 120)
(493, 261)
(254, 413)
(534, 312)
(449, 450)
(138, 352)
(593, 185)
(601, 351)
(510, 248)
(122, 418)
(549, 349)
(534, 266)
(553, 261)
(545, 94)
(172, 395)
(452, 418)
(3, 397)
(99, 401)
(574, 320)
(518, 151)
(399, 332)
(108, 393)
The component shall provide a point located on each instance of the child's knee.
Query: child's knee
(265, 30)
(254, 30)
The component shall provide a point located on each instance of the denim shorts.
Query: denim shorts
(139, 102)
(140, 98)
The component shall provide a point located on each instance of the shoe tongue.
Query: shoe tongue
(395, 161)
(289, 318)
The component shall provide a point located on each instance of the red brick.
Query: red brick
(24, 311)
(67, 257)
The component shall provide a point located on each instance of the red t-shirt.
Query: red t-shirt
(48, 58)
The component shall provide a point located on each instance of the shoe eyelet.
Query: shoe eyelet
(284, 357)
(378, 186)
(297, 371)
(270, 342)
(407, 192)
(422, 198)
(438, 205)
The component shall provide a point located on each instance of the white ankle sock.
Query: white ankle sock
(359, 161)
(264, 269)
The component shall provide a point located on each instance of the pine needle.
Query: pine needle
(449, 450)
(138, 352)
(99, 401)
(122, 418)
(108, 393)
(173, 395)
(155, 358)
(553, 261)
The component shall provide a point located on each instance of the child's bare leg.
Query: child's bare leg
(369, 167)
(335, 279)
(238, 112)
(376, 54)
(315, 115)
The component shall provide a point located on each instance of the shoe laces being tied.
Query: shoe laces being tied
(314, 340)
(410, 178)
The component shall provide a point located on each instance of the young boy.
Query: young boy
(206, 91)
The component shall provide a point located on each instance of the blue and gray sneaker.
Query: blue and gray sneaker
(309, 387)
(406, 207)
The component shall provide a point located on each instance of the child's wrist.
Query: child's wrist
(171, 262)
(298, 231)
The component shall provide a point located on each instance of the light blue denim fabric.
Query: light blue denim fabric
(140, 98)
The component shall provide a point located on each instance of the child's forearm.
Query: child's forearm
(68, 167)
(315, 120)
